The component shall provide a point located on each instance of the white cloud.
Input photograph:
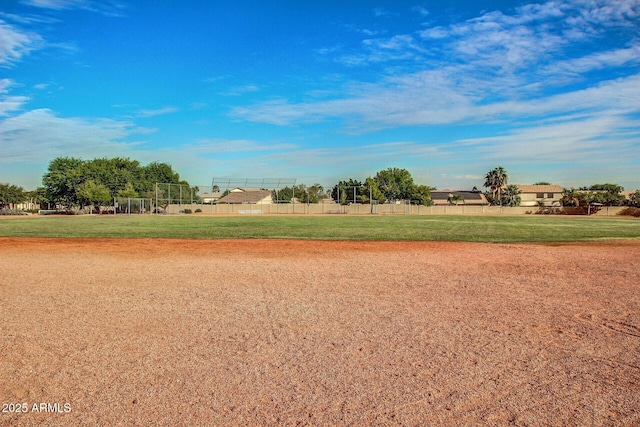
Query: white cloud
(16, 43)
(240, 90)
(225, 146)
(106, 7)
(157, 112)
(493, 67)
(39, 136)
(572, 152)
(380, 11)
(423, 11)
(9, 103)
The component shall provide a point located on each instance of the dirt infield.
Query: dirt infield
(273, 332)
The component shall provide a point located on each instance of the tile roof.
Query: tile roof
(470, 197)
(245, 196)
(540, 188)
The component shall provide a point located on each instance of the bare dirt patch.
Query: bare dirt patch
(266, 332)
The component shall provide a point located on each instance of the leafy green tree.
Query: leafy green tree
(128, 191)
(390, 184)
(283, 195)
(10, 195)
(313, 194)
(372, 187)
(90, 193)
(157, 172)
(421, 195)
(114, 173)
(606, 194)
(343, 192)
(121, 176)
(511, 196)
(61, 180)
(495, 180)
(395, 183)
(634, 199)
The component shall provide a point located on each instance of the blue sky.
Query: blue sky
(325, 90)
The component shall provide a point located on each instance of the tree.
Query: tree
(570, 197)
(63, 177)
(421, 195)
(312, 194)
(115, 174)
(345, 191)
(90, 193)
(395, 184)
(511, 196)
(157, 172)
(606, 194)
(374, 190)
(634, 199)
(10, 195)
(454, 199)
(122, 177)
(283, 195)
(128, 191)
(495, 180)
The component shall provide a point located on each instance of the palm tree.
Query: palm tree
(511, 196)
(454, 199)
(570, 197)
(495, 180)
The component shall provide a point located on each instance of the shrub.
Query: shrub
(59, 212)
(198, 210)
(7, 211)
(187, 211)
(630, 211)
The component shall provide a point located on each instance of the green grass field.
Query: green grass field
(339, 227)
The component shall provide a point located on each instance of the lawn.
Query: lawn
(339, 227)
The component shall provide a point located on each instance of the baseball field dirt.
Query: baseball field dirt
(124, 332)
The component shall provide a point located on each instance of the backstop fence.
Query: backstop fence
(132, 205)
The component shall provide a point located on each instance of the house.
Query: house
(239, 196)
(441, 197)
(210, 198)
(540, 195)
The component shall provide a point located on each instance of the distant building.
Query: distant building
(442, 197)
(210, 198)
(540, 195)
(239, 196)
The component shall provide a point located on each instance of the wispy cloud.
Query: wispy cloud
(9, 103)
(15, 43)
(423, 11)
(493, 67)
(380, 11)
(106, 7)
(240, 90)
(218, 146)
(157, 112)
(23, 138)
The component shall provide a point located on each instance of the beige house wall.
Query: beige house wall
(531, 199)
